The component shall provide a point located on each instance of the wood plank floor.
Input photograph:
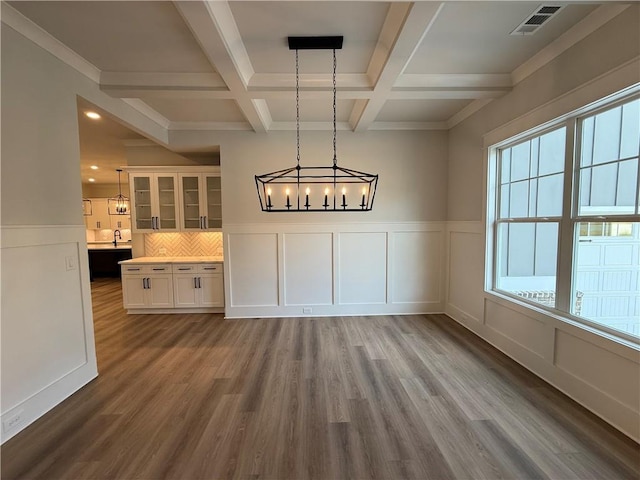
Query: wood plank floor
(391, 397)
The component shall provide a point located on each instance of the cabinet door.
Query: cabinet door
(211, 290)
(212, 201)
(133, 291)
(185, 292)
(141, 202)
(160, 291)
(99, 218)
(192, 214)
(120, 222)
(166, 202)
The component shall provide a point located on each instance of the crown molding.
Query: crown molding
(21, 24)
(147, 111)
(467, 111)
(579, 31)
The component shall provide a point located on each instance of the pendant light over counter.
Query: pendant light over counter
(118, 205)
(329, 188)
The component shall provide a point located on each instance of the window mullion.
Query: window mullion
(566, 237)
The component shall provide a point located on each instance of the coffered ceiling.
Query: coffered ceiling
(217, 65)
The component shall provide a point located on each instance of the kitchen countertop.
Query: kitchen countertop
(146, 260)
(108, 246)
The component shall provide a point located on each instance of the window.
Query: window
(566, 225)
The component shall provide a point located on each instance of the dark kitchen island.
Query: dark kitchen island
(104, 258)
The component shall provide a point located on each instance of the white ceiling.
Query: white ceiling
(217, 65)
(102, 144)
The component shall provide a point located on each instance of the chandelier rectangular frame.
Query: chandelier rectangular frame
(316, 189)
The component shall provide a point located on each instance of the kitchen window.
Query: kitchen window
(565, 217)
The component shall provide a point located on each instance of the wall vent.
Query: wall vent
(539, 17)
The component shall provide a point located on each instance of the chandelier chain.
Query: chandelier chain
(335, 154)
(297, 110)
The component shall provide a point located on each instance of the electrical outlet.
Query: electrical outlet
(162, 251)
(13, 421)
(307, 310)
(70, 262)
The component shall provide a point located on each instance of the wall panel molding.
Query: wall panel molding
(48, 349)
(552, 348)
(364, 269)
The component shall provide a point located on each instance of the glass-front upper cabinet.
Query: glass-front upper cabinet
(201, 199)
(213, 201)
(154, 202)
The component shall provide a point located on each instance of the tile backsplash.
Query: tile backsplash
(106, 235)
(182, 244)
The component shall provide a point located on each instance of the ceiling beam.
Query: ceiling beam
(453, 80)
(215, 30)
(402, 32)
(287, 81)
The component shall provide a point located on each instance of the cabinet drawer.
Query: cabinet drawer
(184, 268)
(210, 268)
(145, 269)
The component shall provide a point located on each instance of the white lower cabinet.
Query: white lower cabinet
(148, 286)
(198, 285)
(167, 287)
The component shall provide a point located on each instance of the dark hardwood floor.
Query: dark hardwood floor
(391, 397)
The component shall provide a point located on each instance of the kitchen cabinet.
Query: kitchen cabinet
(120, 222)
(99, 218)
(147, 286)
(200, 201)
(154, 202)
(198, 285)
(175, 199)
(173, 284)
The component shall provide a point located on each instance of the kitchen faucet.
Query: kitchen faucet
(116, 236)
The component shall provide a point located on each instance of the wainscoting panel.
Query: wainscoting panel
(571, 353)
(466, 273)
(527, 332)
(47, 345)
(601, 373)
(253, 259)
(362, 267)
(62, 299)
(292, 270)
(417, 267)
(308, 268)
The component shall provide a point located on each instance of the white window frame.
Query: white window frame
(567, 222)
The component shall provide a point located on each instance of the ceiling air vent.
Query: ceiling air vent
(539, 17)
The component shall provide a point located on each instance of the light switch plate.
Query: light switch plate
(70, 262)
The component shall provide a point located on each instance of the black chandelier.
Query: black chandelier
(316, 189)
(118, 205)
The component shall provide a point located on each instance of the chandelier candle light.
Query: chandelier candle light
(275, 189)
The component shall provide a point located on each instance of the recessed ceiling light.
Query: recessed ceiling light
(92, 179)
(92, 115)
(94, 167)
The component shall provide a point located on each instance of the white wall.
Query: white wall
(47, 326)
(601, 373)
(103, 190)
(388, 260)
